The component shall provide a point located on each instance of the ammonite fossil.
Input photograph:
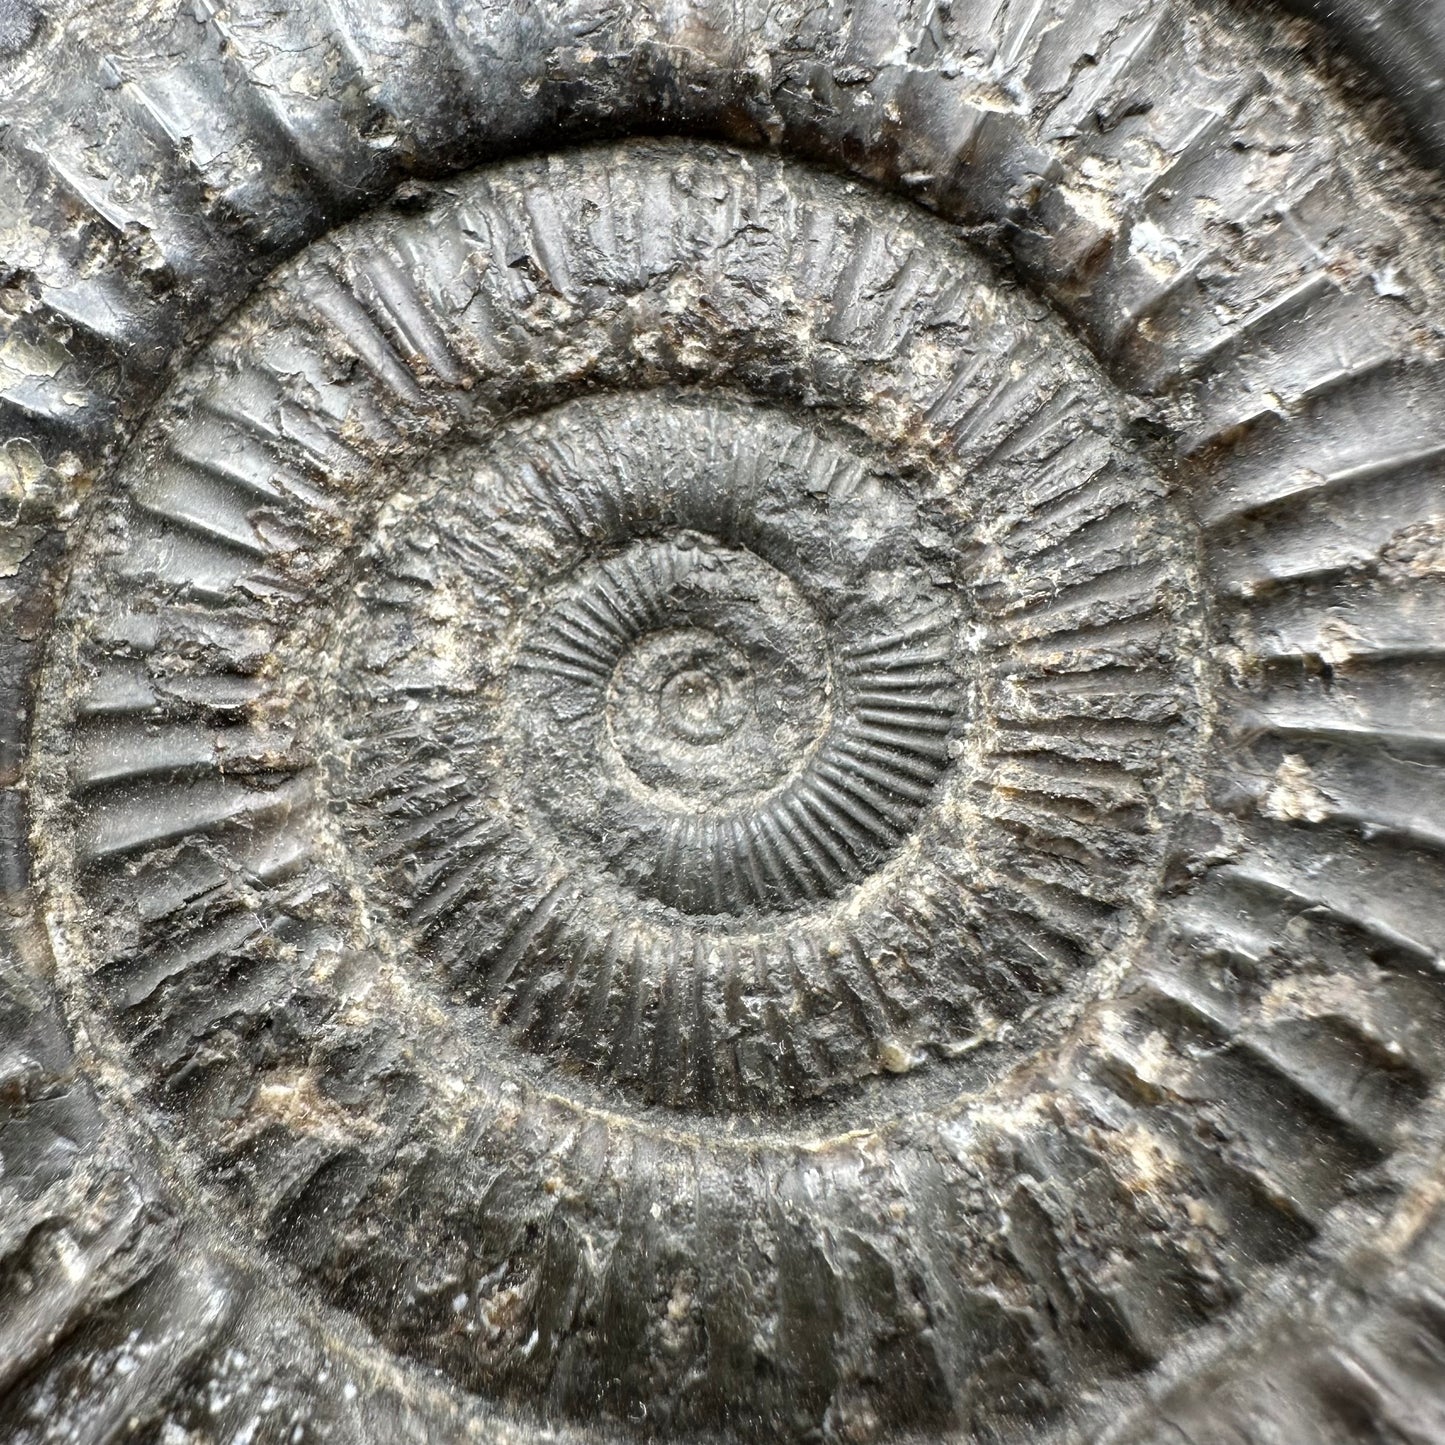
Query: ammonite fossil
(725, 725)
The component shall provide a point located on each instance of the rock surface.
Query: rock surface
(723, 722)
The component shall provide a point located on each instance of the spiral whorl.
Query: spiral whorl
(637, 781)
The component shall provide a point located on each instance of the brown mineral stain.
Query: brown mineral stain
(1293, 795)
(1416, 551)
(293, 1101)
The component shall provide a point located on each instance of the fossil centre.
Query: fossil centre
(722, 722)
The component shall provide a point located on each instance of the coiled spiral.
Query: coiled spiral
(674, 793)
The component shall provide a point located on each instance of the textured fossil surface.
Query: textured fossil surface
(723, 722)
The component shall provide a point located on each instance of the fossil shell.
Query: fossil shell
(727, 728)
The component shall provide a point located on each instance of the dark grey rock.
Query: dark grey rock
(19, 20)
(723, 722)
